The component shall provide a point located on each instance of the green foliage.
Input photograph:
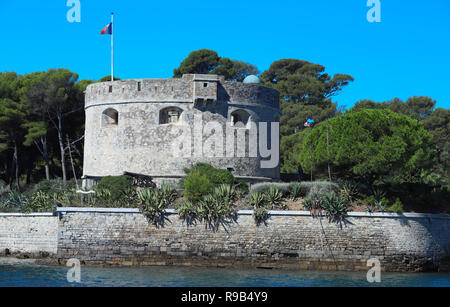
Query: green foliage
(242, 187)
(290, 148)
(305, 92)
(202, 61)
(40, 202)
(260, 215)
(274, 198)
(108, 78)
(349, 190)
(215, 176)
(258, 200)
(217, 206)
(262, 187)
(397, 207)
(234, 70)
(118, 186)
(13, 202)
(297, 190)
(313, 202)
(153, 202)
(317, 187)
(196, 186)
(417, 107)
(187, 210)
(335, 206)
(368, 145)
(205, 61)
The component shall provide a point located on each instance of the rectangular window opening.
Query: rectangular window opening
(139, 86)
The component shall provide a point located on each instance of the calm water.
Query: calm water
(34, 275)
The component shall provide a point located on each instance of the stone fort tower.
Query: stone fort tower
(131, 126)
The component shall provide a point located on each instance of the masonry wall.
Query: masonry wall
(33, 235)
(138, 143)
(291, 240)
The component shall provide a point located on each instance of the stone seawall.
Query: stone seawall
(410, 242)
(29, 235)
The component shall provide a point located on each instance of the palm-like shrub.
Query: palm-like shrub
(274, 198)
(258, 200)
(187, 210)
(335, 206)
(297, 190)
(13, 202)
(153, 202)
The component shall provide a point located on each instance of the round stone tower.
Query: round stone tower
(156, 128)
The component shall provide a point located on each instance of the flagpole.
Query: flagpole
(112, 47)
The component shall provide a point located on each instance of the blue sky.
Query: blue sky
(406, 54)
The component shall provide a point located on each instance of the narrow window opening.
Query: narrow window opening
(240, 118)
(139, 86)
(170, 115)
(110, 88)
(110, 117)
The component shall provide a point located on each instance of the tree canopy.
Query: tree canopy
(369, 145)
(305, 92)
(205, 61)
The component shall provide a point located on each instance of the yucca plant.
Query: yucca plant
(349, 191)
(297, 190)
(258, 200)
(335, 206)
(154, 202)
(13, 201)
(274, 198)
(260, 215)
(378, 194)
(187, 210)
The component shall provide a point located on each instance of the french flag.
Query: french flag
(107, 30)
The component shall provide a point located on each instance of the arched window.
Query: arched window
(240, 118)
(170, 115)
(110, 117)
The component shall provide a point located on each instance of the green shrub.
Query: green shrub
(258, 200)
(117, 185)
(319, 187)
(40, 202)
(297, 190)
(215, 176)
(13, 202)
(313, 202)
(335, 206)
(274, 198)
(262, 187)
(397, 207)
(349, 190)
(260, 215)
(153, 202)
(213, 208)
(242, 188)
(196, 186)
(187, 210)
(259, 203)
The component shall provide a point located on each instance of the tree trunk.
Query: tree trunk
(61, 148)
(46, 159)
(16, 164)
